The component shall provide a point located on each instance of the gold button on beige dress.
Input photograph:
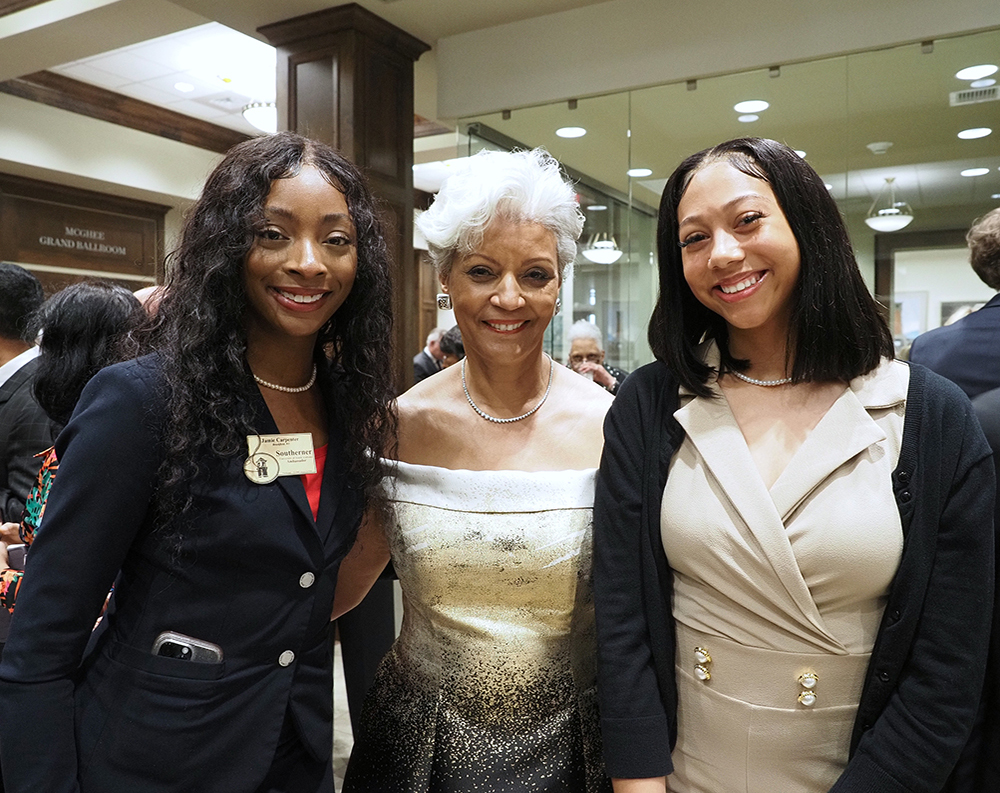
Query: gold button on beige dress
(778, 593)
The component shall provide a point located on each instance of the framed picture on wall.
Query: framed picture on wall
(954, 310)
(909, 315)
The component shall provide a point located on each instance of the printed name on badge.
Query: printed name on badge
(272, 456)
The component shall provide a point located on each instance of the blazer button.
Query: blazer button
(883, 676)
(286, 658)
(306, 580)
(905, 496)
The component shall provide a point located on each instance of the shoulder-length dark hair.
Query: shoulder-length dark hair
(836, 331)
(83, 327)
(199, 328)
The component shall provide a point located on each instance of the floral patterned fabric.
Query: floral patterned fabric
(34, 509)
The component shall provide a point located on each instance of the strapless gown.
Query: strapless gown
(491, 683)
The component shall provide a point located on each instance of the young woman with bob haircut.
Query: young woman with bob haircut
(793, 541)
(491, 683)
(218, 481)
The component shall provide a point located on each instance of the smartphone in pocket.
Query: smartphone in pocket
(171, 644)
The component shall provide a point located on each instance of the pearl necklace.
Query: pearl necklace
(494, 419)
(285, 388)
(755, 381)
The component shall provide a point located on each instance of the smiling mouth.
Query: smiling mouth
(733, 289)
(506, 327)
(300, 298)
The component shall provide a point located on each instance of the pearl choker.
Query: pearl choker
(755, 381)
(494, 419)
(288, 389)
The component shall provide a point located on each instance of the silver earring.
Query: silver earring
(558, 304)
(444, 301)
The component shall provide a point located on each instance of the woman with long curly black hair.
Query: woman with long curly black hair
(219, 481)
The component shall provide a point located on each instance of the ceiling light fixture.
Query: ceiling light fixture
(801, 153)
(886, 213)
(571, 132)
(746, 118)
(983, 83)
(975, 172)
(184, 88)
(596, 208)
(262, 115)
(639, 172)
(751, 106)
(602, 249)
(975, 132)
(995, 195)
(879, 146)
(976, 72)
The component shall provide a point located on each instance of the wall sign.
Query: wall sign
(71, 234)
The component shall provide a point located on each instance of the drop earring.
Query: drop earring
(444, 301)
(558, 304)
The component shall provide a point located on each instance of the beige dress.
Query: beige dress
(778, 593)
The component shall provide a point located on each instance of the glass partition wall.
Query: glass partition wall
(908, 114)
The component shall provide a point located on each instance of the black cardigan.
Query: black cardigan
(923, 684)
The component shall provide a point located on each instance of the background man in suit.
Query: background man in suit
(25, 430)
(428, 360)
(968, 351)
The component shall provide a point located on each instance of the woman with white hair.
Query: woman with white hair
(491, 684)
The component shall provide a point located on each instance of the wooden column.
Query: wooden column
(345, 77)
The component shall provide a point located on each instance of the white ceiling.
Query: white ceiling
(222, 71)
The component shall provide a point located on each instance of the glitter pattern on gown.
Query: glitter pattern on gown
(490, 686)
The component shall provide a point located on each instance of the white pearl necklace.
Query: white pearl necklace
(288, 389)
(494, 419)
(755, 381)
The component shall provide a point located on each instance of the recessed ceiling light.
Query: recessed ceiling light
(748, 117)
(975, 132)
(184, 87)
(975, 171)
(828, 186)
(995, 195)
(639, 172)
(596, 208)
(571, 132)
(983, 83)
(976, 72)
(754, 106)
(879, 146)
(801, 153)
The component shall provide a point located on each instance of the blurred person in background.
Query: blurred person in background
(586, 356)
(967, 350)
(451, 346)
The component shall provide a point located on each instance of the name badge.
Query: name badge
(272, 456)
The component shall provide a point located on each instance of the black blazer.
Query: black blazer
(922, 689)
(966, 352)
(252, 573)
(25, 430)
(424, 366)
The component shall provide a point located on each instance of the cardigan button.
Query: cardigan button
(904, 477)
(883, 676)
(306, 580)
(895, 615)
(905, 496)
(286, 658)
(807, 698)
